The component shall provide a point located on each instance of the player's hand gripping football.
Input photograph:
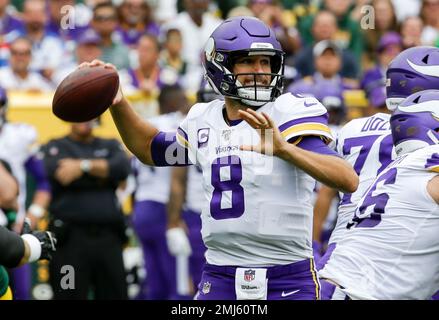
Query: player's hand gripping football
(271, 142)
(95, 63)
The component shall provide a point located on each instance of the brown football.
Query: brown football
(85, 94)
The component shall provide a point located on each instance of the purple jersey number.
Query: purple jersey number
(366, 143)
(231, 185)
(378, 202)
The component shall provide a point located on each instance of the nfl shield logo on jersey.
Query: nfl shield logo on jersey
(226, 134)
(249, 275)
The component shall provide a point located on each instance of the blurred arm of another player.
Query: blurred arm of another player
(176, 233)
(29, 247)
(328, 169)
(144, 140)
(41, 199)
(321, 209)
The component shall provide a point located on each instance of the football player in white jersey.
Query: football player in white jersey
(367, 144)
(391, 250)
(258, 221)
(18, 147)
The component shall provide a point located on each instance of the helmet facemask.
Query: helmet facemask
(255, 94)
(219, 72)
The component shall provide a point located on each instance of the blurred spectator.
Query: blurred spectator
(358, 9)
(326, 84)
(105, 22)
(10, 24)
(150, 199)
(165, 11)
(385, 21)
(411, 31)
(240, 11)
(87, 50)
(430, 16)
(84, 172)
(47, 48)
(18, 76)
(135, 18)
(273, 15)
(406, 8)
(19, 148)
(149, 77)
(171, 57)
(195, 25)
(10, 28)
(325, 28)
(348, 36)
(225, 6)
(374, 80)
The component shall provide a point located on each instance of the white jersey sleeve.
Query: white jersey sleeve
(300, 116)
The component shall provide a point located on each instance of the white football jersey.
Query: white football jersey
(391, 250)
(258, 208)
(195, 189)
(153, 183)
(18, 142)
(366, 143)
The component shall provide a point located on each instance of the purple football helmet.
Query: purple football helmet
(237, 37)
(413, 70)
(205, 92)
(3, 106)
(415, 122)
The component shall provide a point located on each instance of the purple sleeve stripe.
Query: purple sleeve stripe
(433, 163)
(166, 151)
(181, 132)
(36, 167)
(316, 144)
(323, 119)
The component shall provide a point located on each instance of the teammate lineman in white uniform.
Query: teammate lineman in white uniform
(367, 143)
(257, 226)
(391, 250)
